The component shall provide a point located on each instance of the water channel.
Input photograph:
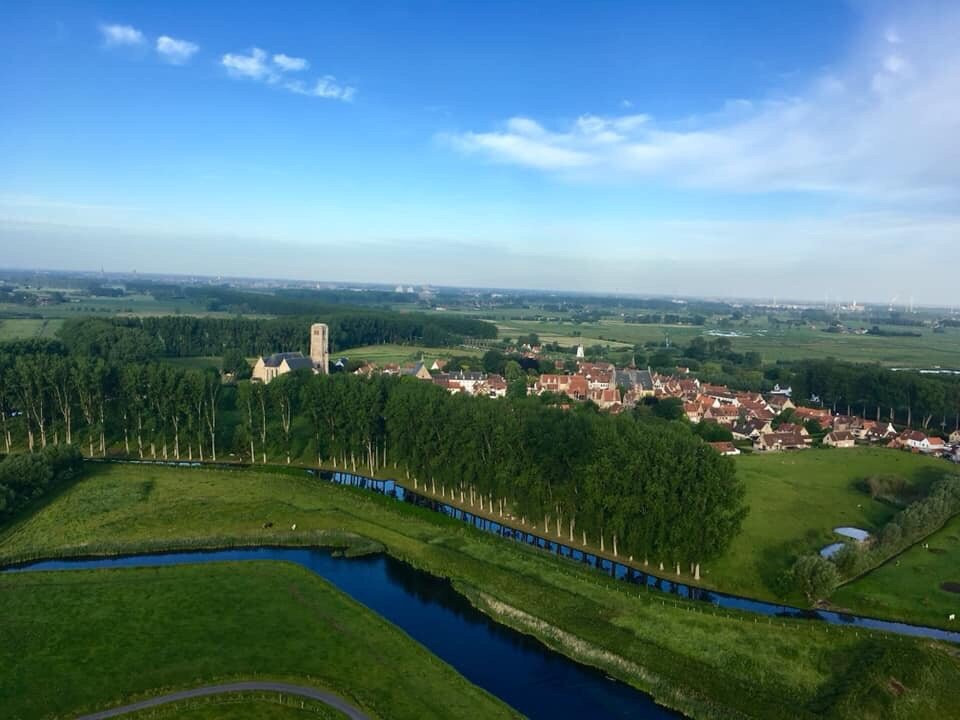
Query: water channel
(518, 669)
(633, 574)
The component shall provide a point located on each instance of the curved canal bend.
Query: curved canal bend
(517, 668)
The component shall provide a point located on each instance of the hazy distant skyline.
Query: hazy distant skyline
(752, 150)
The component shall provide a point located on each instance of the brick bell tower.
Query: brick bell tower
(320, 347)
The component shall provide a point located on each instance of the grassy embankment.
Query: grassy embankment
(797, 498)
(241, 706)
(86, 640)
(710, 664)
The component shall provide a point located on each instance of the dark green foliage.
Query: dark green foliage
(669, 409)
(124, 339)
(815, 576)
(712, 432)
(25, 477)
(907, 397)
(648, 488)
(235, 363)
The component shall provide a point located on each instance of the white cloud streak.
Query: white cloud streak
(290, 64)
(114, 35)
(259, 66)
(884, 126)
(176, 52)
(254, 66)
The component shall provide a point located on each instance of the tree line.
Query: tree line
(25, 477)
(911, 398)
(126, 339)
(153, 409)
(639, 487)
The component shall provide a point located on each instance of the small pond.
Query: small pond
(832, 549)
(853, 533)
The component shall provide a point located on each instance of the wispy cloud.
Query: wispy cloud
(176, 52)
(121, 35)
(255, 65)
(884, 125)
(326, 87)
(290, 64)
(260, 66)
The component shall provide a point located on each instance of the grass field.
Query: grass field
(797, 498)
(26, 328)
(773, 344)
(104, 636)
(202, 362)
(910, 586)
(714, 664)
(382, 354)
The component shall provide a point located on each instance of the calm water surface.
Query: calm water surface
(518, 669)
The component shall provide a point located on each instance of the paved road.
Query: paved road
(329, 698)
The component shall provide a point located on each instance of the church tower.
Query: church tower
(320, 347)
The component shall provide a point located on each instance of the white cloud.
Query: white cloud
(121, 35)
(290, 64)
(258, 66)
(884, 125)
(175, 51)
(253, 66)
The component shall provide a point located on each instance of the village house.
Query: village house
(750, 428)
(917, 441)
(839, 439)
(417, 370)
(606, 398)
(724, 414)
(876, 431)
(820, 415)
(779, 403)
(574, 386)
(777, 441)
(794, 428)
(725, 448)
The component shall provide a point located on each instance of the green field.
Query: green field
(202, 362)
(795, 501)
(383, 354)
(158, 628)
(909, 587)
(710, 664)
(27, 328)
(794, 343)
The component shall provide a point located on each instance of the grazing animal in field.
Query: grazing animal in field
(293, 527)
(952, 616)
(267, 525)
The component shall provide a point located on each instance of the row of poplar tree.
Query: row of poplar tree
(646, 488)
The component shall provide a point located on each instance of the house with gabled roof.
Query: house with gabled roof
(840, 439)
(725, 448)
(778, 441)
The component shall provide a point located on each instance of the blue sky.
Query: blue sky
(754, 149)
